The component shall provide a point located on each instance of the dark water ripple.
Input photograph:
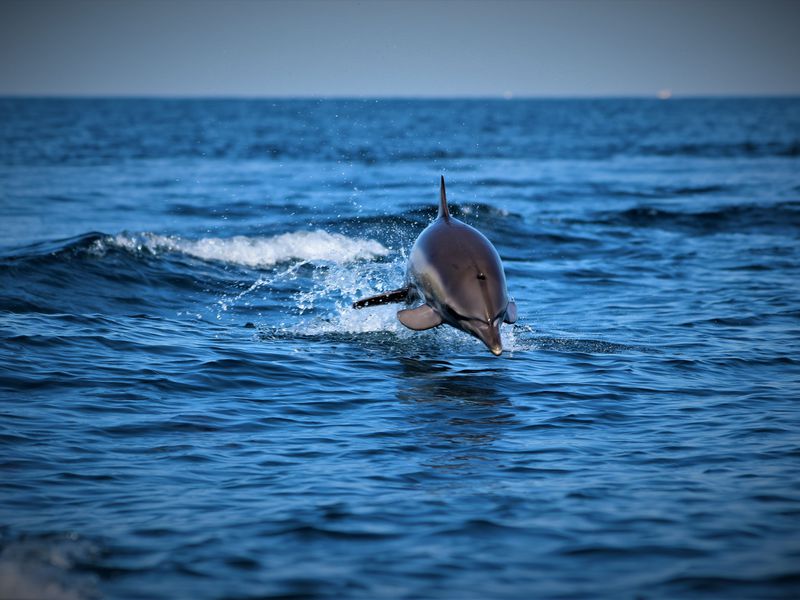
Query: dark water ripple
(189, 407)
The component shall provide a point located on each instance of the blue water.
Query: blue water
(190, 408)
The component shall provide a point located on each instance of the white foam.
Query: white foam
(343, 284)
(346, 319)
(309, 246)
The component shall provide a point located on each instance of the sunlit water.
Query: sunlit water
(189, 407)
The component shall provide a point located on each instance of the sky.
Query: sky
(408, 48)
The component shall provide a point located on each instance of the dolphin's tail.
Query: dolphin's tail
(398, 295)
(443, 210)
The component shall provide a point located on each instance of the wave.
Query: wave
(656, 191)
(307, 246)
(153, 272)
(740, 217)
(786, 149)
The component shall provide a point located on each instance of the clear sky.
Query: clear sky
(390, 48)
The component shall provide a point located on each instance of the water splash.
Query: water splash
(47, 567)
(328, 301)
(228, 301)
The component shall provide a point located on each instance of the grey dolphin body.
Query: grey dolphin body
(457, 274)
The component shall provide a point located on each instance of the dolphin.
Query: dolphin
(457, 275)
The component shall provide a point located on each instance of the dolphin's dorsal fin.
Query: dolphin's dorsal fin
(443, 210)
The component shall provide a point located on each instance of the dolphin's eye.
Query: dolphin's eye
(481, 276)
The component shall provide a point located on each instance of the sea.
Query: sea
(190, 408)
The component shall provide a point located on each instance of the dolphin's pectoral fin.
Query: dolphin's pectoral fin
(422, 317)
(511, 313)
(386, 298)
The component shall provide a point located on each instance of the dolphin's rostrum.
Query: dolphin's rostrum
(456, 273)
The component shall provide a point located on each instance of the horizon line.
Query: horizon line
(368, 97)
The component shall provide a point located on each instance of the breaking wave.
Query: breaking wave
(310, 246)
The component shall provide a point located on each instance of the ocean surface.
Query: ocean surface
(189, 407)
